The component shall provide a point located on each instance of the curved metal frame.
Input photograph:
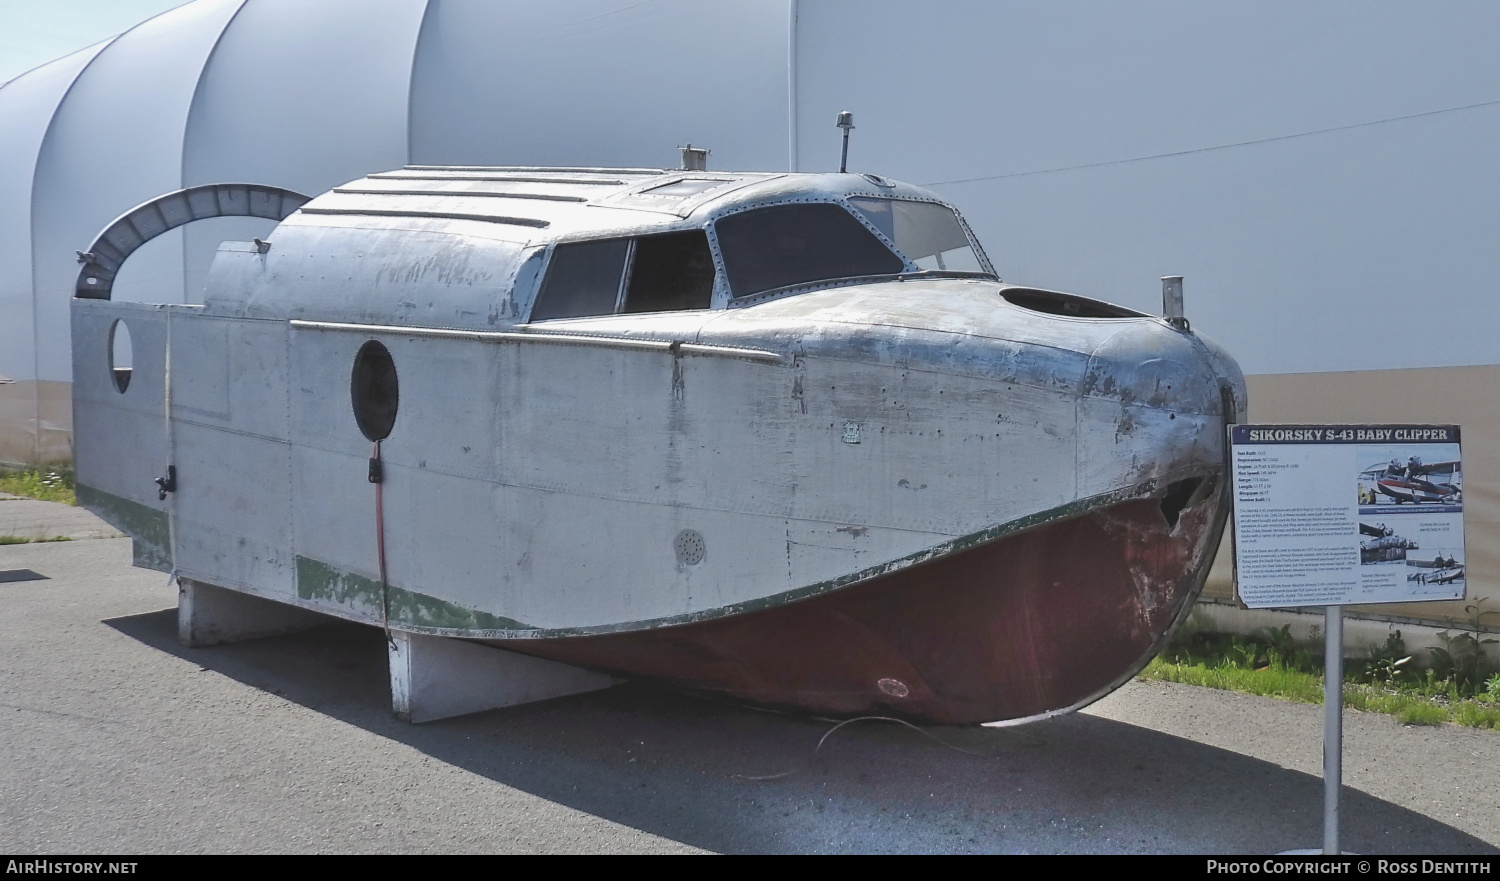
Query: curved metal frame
(150, 219)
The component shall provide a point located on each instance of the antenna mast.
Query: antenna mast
(846, 122)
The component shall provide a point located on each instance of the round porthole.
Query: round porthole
(374, 390)
(120, 356)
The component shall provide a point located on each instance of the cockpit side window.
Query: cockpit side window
(929, 234)
(784, 245)
(660, 273)
(583, 278)
(670, 272)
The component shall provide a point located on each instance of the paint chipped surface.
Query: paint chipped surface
(540, 475)
(321, 584)
(1027, 625)
(150, 536)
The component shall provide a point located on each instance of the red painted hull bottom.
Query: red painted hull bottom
(1035, 623)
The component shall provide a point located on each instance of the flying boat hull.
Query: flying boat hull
(1021, 627)
(914, 491)
(1408, 491)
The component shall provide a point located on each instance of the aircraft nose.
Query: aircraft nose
(1154, 401)
(1157, 366)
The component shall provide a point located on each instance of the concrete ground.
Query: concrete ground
(115, 739)
(34, 520)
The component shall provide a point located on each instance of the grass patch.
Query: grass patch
(23, 540)
(1454, 689)
(1271, 682)
(1423, 714)
(1477, 715)
(53, 483)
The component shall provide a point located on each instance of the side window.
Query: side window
(583, 279)
(671, 272)
(667, 272)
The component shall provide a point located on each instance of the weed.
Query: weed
(53, 483)
(1278, 639)
(1422, 714)
(1282, 683)
(1374, 699)
(1476, 715)
(1387, 671)
(1460, 659)
(1248, 656)
(1477, 612)
(1386, 662)
(1268, 663)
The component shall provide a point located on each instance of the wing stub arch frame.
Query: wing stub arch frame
(102, 261)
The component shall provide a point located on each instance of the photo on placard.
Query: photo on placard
(1437, 566)
(1399, 478)
(1380, 543)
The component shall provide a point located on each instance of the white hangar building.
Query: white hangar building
(1323, 175)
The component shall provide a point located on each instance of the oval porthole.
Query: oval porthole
(121, 358)
(374, 390)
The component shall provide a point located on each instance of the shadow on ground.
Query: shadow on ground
(683, 768)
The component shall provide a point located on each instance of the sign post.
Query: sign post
(1333, 515)
(1333, 725)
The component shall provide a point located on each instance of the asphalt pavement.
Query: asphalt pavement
(116, 739)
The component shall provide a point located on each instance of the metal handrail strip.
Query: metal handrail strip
(564, 339)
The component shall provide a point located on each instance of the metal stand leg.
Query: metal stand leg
(1333, 725)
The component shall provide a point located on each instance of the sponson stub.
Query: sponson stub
(786, 438)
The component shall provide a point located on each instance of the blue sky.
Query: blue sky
(33, 32)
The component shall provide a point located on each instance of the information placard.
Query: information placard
(1330, 515)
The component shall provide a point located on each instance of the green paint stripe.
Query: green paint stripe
(147, 527)
(319, 582)
(1062, 512)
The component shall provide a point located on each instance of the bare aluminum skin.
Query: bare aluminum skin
(628, 474)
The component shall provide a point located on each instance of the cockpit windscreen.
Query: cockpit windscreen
(784, 245)
(929, 234)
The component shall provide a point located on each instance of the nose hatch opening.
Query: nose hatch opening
(1054, 303)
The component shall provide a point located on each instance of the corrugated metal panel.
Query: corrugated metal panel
(27, 105)
(298, 95)
(115, 143)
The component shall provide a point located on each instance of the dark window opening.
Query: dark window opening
(769, 248)
(671, 272)
(120, 355)
(583, 279)
(375, 391)
(1066, 304)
